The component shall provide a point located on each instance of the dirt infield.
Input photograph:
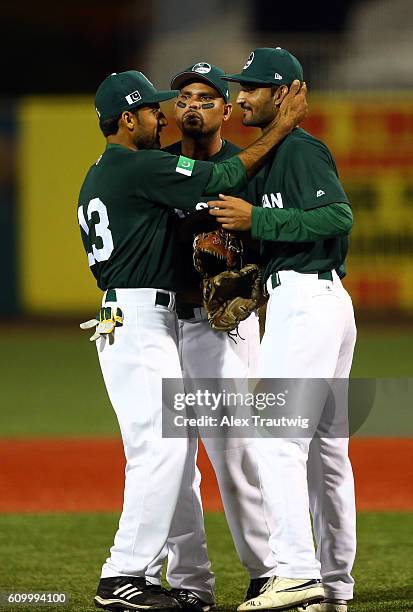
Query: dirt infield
(84, 475)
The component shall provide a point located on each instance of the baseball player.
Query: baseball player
(125, 212)
(201, 108)
(310, 332)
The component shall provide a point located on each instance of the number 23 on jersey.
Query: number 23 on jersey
(96, 216)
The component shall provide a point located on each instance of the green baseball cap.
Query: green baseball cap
(268, 66)
(202, 71)
(122, 91)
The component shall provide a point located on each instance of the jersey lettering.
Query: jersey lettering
(184, 213)
(272, 201)
(181, 213)
(100, 220)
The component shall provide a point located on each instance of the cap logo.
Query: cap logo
(97, 112)
(249, 60)
(202, 68)
(278, 76)
(133, 97)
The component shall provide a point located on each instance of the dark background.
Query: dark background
(69, 47)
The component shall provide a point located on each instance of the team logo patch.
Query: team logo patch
(202, 68)
(278, 76)
(133, 97)
(185, 165)
(320, 193)
(249, 60)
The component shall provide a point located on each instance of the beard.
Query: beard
(260, 117)
(145, 141)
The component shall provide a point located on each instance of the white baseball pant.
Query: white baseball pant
(310, 333)
(142, 352)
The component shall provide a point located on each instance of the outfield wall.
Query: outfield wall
(370, 137)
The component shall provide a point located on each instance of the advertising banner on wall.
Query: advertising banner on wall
(369, 137)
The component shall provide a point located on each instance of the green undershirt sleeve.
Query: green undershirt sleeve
(228, 175)
(296, 225)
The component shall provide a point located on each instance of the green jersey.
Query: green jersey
(302, 175)
(125, 212)
(189, 278)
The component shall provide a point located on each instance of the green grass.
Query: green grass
(383, 354)
(64, 552)
(52, 385)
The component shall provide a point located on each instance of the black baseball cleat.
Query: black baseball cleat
(189, 602)
(255, 587)
(124, 593)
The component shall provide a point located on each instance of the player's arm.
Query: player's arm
(286, 225)
(295, 225)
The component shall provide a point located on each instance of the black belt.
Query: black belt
(275, 278)
(161, 298)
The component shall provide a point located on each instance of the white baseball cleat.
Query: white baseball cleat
(284, 593)
(328, 605)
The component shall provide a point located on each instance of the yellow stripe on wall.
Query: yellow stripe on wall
(59, 140)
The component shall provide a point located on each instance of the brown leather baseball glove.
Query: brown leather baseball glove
(231, 291)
